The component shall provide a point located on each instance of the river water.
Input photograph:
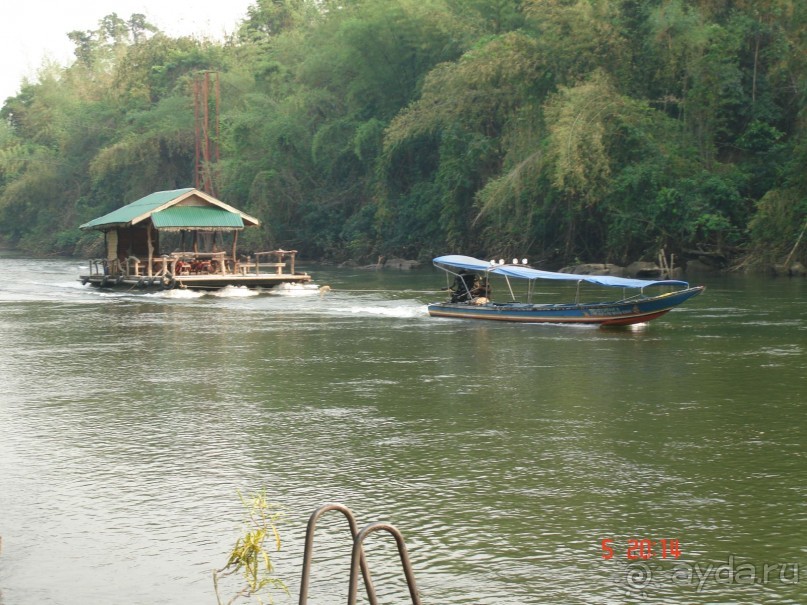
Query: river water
(505, 454)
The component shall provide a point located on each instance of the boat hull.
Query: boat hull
(618, 313)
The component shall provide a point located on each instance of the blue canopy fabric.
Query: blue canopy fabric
(459, 261)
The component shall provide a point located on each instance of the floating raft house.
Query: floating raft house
(202, 233)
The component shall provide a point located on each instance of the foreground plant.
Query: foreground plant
(249, 556)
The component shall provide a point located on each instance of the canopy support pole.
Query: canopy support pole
(509, 287)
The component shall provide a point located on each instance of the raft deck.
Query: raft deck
(196, 270)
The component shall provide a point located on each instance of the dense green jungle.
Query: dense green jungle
(562, 130)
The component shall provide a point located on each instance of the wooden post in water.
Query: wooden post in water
(235, 244)
(666, 269)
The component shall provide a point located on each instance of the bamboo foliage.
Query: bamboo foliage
(478, 91)
(578, 124)
(550, 128)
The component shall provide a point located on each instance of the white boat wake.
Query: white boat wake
(288, 289)
(399, 311)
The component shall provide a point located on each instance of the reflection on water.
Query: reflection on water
(504, 453)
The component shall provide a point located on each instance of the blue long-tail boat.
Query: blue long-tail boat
(471, 295)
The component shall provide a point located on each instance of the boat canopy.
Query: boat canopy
(458, 261)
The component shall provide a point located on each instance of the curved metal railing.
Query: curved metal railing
(358, 560)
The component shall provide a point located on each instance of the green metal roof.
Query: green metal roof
(196, 217)
(128, 213)
(169, 210)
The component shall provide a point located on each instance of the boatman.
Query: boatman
(481, 288)
(461, 288)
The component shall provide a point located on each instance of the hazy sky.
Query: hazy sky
(32, 31)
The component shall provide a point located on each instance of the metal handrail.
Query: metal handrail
(309, 550)
(358, 557)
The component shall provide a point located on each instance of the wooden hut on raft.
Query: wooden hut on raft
(198, 227)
